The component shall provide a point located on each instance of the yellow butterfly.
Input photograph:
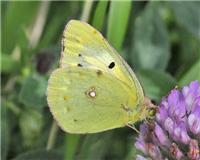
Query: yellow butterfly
(94, 89)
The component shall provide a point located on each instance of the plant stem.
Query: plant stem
(86, 10)
(39, 23)
(52, 136)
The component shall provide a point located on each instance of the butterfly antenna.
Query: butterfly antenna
(133, 127)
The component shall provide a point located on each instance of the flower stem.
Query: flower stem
(52, 136)
(86, 10)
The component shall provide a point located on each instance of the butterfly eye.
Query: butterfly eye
(111, 65)
(79, 55)
(152, 112)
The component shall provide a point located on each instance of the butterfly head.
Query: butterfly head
(150, 108)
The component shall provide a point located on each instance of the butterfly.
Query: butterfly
(94, 89)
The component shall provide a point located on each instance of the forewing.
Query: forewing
(89, 100)
(84, 46)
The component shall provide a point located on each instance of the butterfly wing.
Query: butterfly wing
(95, 89)
(84, 46)
(86, 100)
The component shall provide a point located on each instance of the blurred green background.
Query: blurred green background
(160, 40)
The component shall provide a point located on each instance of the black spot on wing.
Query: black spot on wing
(99, 72)
(65, 98)
(79, 65)
(111, 65)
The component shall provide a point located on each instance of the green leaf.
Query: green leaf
(99, 14)
(31, 123)
(150, 41)
(185, 54)
(192, 74)
(95, 146)
(155, 83)
(33, 91)
(132, 153)
(188, 15)
(119, 12)
(106, 145)
(40, 155)
(8, 64)
(18, 16)
(190, 48)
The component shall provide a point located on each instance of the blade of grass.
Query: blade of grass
(18, 16)
(117, 22)
(71, 146)
(99, 15)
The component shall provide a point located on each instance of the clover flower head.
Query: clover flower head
(175, 131)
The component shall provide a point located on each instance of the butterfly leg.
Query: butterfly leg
(133, 127)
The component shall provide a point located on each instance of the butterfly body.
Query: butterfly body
(94, 89)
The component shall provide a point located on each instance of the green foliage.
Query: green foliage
(156, 83)
(187, 15)
(9, 65)
(33, 91)
(5, 132)
(160, 40)
(191, 74)
(99, 15)
(40, 155)
(30, 123)
(117, 22)
(71, 145)
(18, 16)
(150, 42)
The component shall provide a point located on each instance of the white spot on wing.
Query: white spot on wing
(92, 94)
